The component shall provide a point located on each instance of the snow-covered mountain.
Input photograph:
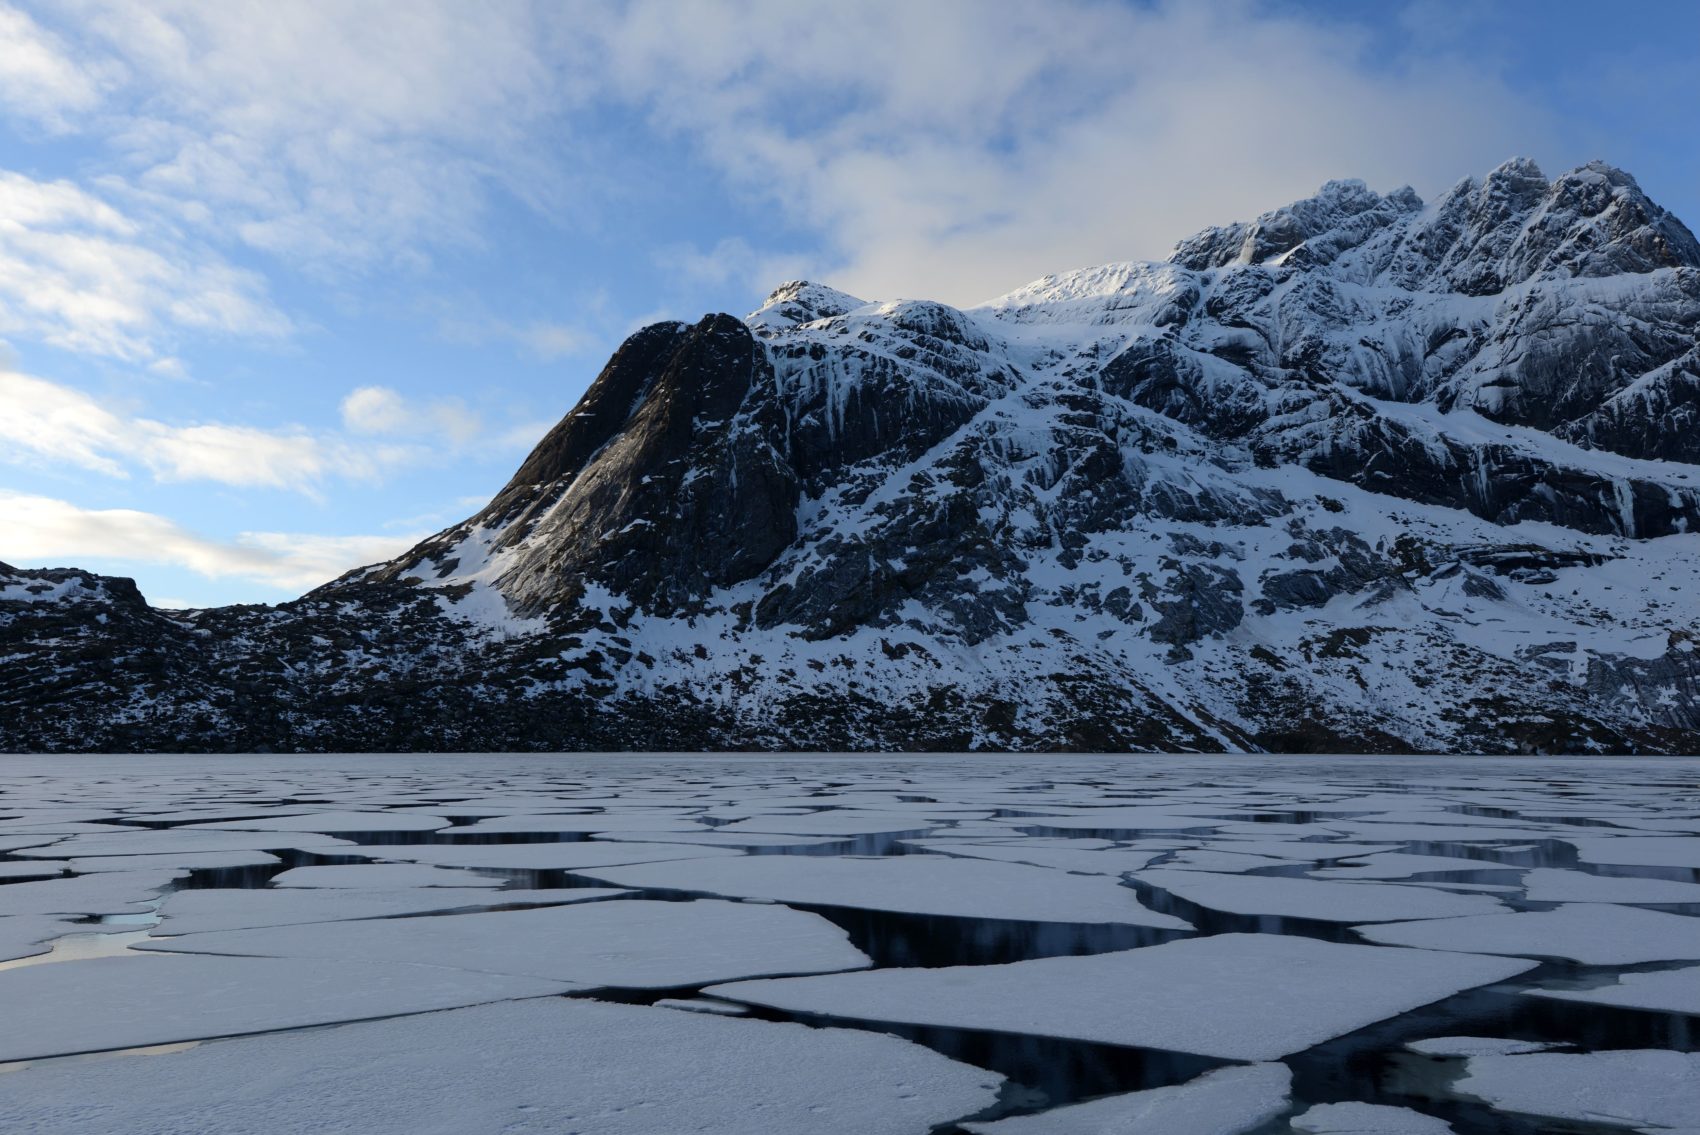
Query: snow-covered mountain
(1362, 474)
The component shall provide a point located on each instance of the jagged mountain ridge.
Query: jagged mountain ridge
(1363, 474)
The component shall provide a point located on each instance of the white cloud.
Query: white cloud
(382, 410)
(79, 274)
(50, 423)
(335, 134)
(38, 77)
(46, 530)
(956, 149)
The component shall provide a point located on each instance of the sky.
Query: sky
(285, 287)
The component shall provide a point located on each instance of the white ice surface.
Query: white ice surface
(1475, 1046)
(1591, 933)
(179, 861)
(128, 1002)
(916, 884)
(1641, 1088)
(34, 869)
(115, 892)
(1638, 851)
(845, 823)
(1368, 1119)
(381, 876)
(715, 838)
(1548, 884)
(26, 935)
(542, 1067)
(333, 823)
(199, 911)
(637, 943)
(553, 856)
(1313, 898)
(1224, 1102)
(592, 822)
(1236, 996)
(149, 842)
(1397, 865)
(1114, 861)
(1663, 991)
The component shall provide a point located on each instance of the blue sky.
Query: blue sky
(286, 286)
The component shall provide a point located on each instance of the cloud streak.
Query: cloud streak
(48, 423)
(45, 530)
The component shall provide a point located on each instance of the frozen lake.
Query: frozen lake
(636, 945)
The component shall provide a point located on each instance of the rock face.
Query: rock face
(1364, 474)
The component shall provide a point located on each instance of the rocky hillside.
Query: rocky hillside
(1364, 474)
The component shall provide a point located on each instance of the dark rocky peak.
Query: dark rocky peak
(1515, 225)
(1314, 231)
(797, 302)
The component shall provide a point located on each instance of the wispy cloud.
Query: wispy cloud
(42, 529)
(80, 274)
(987, 143)
(47, 423)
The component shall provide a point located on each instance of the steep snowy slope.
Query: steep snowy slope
(1361, 474)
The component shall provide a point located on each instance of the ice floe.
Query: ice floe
(1663, 991)
(1591, 933)
(1550, 884)
(1235, 996)
(634, 944)
(128, 1002)
(539, 1067)
(1224, 1102)
(1324, 901)
(915, 884)
(198, 911)
(1646, 1089)
(1368, 1119)
(382, 876)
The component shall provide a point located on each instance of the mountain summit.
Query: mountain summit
(1364, 474)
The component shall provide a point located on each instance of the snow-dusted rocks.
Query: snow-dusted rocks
(530, 1068)
(1363, 474)
(1235, 996)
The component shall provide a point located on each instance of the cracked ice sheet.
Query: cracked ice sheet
(633, 944)
(1224, 1102)
(1114, 861)
(1638, 851)
(845, 823)
(115, 892)
(200, 911)
(1236, 996)
(1399, 865)
(912, 884)
(524, 1068)
(1321, 900)
(181, 861)
(1590, 933)
(1648, 1089)
(1552, 884)
(128, 1002)
(26, 935)
(178, 840)
(330, 823)
(34, 869)
(553, 856)
(382, 876)
(1661, 991)
(1368, 1119)
(587, 823)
